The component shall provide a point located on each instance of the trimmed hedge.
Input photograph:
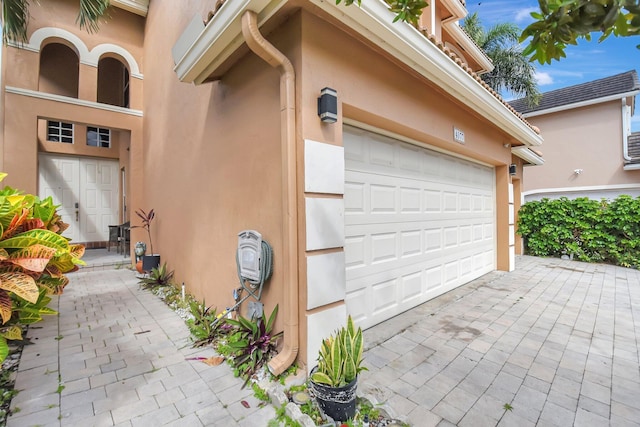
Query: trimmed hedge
(590, 230)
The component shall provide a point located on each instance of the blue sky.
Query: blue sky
(585, 62)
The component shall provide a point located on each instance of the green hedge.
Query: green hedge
(590, 230)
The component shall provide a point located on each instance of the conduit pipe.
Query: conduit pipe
(265, 50)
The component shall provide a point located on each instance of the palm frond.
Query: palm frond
(90, 13)
(15, 17)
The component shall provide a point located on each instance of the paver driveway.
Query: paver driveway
(556, 340)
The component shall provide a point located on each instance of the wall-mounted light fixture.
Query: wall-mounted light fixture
(328, 105)
(513, 169)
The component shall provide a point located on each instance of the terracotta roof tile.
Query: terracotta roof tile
(601, 88)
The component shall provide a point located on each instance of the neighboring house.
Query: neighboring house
(589, 149)
(407, 191)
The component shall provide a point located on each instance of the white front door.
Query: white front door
(86, 190)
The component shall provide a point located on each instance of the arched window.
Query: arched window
(59, 70)
(113, 82)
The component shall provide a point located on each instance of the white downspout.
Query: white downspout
(625, 129)
(265, 50)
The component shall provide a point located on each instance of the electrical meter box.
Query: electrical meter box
(249, 252)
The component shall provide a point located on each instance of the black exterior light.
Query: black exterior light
(328, 105)
(512, 169)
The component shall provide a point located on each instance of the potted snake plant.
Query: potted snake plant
(335, 379)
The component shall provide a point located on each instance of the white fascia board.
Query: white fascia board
(139, 7)
(456, 8)
(527, 155)
(469, 46)
(582, 104)
(374, 20)
(631, 167)
(220, 38)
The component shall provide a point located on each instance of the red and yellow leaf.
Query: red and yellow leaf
(15, 224)
(32, 258)
(20, 284)
(33, 223)
(3, 254)
(5, 306)
(77, 251)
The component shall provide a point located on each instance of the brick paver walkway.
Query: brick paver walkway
(556, 340)
(116, 355)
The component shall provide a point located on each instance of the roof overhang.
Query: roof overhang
(528, 155)
(139, 7)
(594, 101)
(202, 49)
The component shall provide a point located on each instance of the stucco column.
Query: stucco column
(88, 83)
(502, 218)
(21, 142)
(517, 203)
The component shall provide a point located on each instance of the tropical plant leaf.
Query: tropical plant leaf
(20, 284)
(13, 333)
(63, 262)
(33, 237)
(77, 252)
(5, 306)
(32, 224)
(17, 221)
(32, 258)
(27, 317)
(3, 254)
(53, 285)
(4, 349)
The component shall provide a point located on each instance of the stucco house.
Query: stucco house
(403, 186)
(589, 148)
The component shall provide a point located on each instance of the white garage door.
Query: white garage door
(418, 223)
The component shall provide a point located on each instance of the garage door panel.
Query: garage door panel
(417, 223)
(423, 261)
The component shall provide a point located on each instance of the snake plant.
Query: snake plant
(340, 357)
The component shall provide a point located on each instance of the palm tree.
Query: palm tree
(512, 70)
(15, 18)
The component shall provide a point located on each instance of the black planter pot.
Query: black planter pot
(149, 262)
(338, 403)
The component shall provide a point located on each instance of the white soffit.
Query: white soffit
(139, 7)
(374, 21)
(528, 155)
(197, 55)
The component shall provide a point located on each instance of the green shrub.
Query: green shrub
(589, 230)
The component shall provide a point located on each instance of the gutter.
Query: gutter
(528, 155)
(265, 50)
(581, 104)
(625, 128)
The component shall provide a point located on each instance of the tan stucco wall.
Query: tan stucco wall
(211, 162)
(588, 138)
(21, 70)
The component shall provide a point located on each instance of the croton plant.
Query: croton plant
(34, 257)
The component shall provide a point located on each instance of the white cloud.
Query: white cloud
(543, 79)
(525, 14)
